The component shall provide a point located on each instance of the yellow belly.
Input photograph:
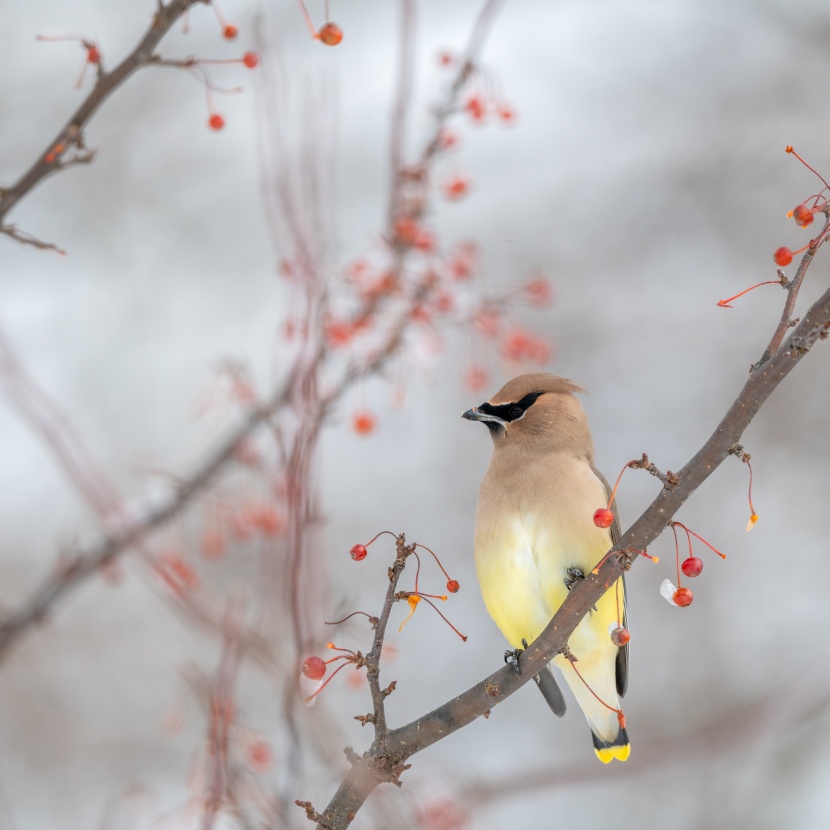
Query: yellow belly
(524, 546)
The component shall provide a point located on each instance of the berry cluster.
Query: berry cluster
(315, 668)
(691, 567)
(804, 215)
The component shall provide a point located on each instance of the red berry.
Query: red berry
(692, 566)
(803, 215)
(358, 552)
(251, 60)
(620, 636)
(216, 122)
(456, 188)
(453, 586)
(230, 32)
(363, 423)
(475, 108)
(603, 517)
(314, 668)
(330, 34)
(783, 256)
(683, 597)
(94, 56)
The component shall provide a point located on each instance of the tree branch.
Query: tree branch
(404, 742)
(71, 136)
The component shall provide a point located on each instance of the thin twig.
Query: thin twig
(221, 716)
(90, 560)
(403, 98)
(668, 479)
(70, 136)
(402, 551)
(792, 295)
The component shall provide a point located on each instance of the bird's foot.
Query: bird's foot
(574, 577)
(511, 657)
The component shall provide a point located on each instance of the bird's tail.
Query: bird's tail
(550, 691)
(619, 748)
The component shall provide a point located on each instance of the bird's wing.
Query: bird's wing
(616, 534)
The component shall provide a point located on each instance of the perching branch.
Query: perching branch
(792, 292)
(403, 743)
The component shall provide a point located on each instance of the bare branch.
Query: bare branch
(792, 295)
(404, 742)
(89, 561)
(51, 159)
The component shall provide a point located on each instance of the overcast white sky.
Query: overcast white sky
(645, 174)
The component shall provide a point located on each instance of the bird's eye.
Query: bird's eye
(516, 412)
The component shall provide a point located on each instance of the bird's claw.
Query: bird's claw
(511, 657)
(574, 577)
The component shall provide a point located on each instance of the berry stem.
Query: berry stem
(572, 660)
(725, 303)
(697, 536)
(440, 614)
(307, 18)
(326, 683)
(348, 617)
(434, 556)
(793, 152)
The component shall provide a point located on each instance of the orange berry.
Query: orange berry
(270, 522)
(507, 114)
(538, 290)
(683, 597)
(330, 34)
(230, 32)
(314, 668)
(692, 566)
(803, 215)
(456, 188)
(259, 756)
(358, 552)
(453, 586)
(216, 122)
(251, 60)
(364, 423)
(406, 229)
(475, 108)
(620, 636)
(603, 517)
(783, 256)
(447, 140)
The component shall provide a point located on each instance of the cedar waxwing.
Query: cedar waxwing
(535, 536)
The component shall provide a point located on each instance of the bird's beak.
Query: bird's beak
(475, 414)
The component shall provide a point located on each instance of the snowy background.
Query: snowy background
(646, 175)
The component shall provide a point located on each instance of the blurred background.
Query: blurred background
(643, 174)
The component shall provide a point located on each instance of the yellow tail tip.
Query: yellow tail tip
(613, 753)
(608, 751)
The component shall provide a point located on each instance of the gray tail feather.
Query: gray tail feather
(550, 691)
(620, 740)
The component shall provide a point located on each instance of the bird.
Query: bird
(535, 537)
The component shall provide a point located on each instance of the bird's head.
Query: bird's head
(538, 411)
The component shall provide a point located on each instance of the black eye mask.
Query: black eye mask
(510, 411)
